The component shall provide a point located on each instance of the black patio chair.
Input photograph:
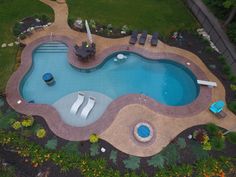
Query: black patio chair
(143, 38)
(154, 39)
(133, 37)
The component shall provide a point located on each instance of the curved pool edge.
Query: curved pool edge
(82, 133)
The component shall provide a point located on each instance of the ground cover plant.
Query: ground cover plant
(11, 12)
(164, 16)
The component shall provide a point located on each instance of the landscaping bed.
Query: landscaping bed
(179, 152)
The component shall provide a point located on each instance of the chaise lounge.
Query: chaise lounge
(76, 105)
(154, 39)
(143, 38)
(133, 37)
(217, 108)
(88, 108)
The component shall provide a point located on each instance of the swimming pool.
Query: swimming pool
(164, 80)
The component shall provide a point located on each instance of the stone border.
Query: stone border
(68, 132)
(138, 137)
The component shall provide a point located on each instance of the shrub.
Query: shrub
(171, 154)
(16, 29)
(222, 59)
(226, 69)
(207, 146)
(231, 137)
(231, 31)
(232, 106)
(41, 133)
(132, 162)
(51, 144)
(71, 147)
(7, 120)
(181, 143)
(92, 23)
(16, 125)
(200, 135)
(109, 27)
(93, 138)
(94, 149)
(212, 129)
(218, 143)
(198, 151)
(157, 161)
(71, 22)
(125, 28)
(113, 156)
(28, 121)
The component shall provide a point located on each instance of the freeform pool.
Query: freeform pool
(166, 81)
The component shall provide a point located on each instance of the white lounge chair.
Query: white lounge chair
(207, 83)
(77, 103)
(88, 107)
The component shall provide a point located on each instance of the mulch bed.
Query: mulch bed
(190, 42)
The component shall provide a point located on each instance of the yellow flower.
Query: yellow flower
(16, 125)
(41, 133)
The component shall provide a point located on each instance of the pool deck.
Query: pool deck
(116, 124)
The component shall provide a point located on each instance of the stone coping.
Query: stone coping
(68, 132)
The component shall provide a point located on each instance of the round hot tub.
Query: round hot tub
(143, 132)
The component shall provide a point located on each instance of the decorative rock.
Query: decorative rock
(17, 43)
(122, 32)
(4, 45)
(103, 149)
(49, 23)
(37, 20)
(190, 137)
(10, 44)
(212, 66)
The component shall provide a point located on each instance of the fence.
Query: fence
(213, 28)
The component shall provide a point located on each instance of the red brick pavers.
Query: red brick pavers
(68, 132)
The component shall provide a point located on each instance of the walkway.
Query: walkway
(119, 134)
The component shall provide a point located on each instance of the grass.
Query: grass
(164, 16)
(12, 11)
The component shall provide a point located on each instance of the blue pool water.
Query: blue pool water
(165, 81)
(143, 131)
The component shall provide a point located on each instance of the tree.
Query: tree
(230, 4)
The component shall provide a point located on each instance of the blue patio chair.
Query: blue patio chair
(217, 107)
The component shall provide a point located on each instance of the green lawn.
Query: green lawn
(164, 16)
(10, 12)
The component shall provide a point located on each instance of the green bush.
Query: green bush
(171, 154)
(231, 137)
(71, 148)
(7, 120)
(231, 31)
(94, 149)
(16, 29)
(218, 144)
(132, 163)
(181, 143)
(51, 144)
(198, 151)
(212, 129)
(232, 106)
(222, 59)
(113, 156)
(226, 69)
(157, 161)
(7, 171)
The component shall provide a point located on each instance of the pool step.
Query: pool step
(52, 47)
